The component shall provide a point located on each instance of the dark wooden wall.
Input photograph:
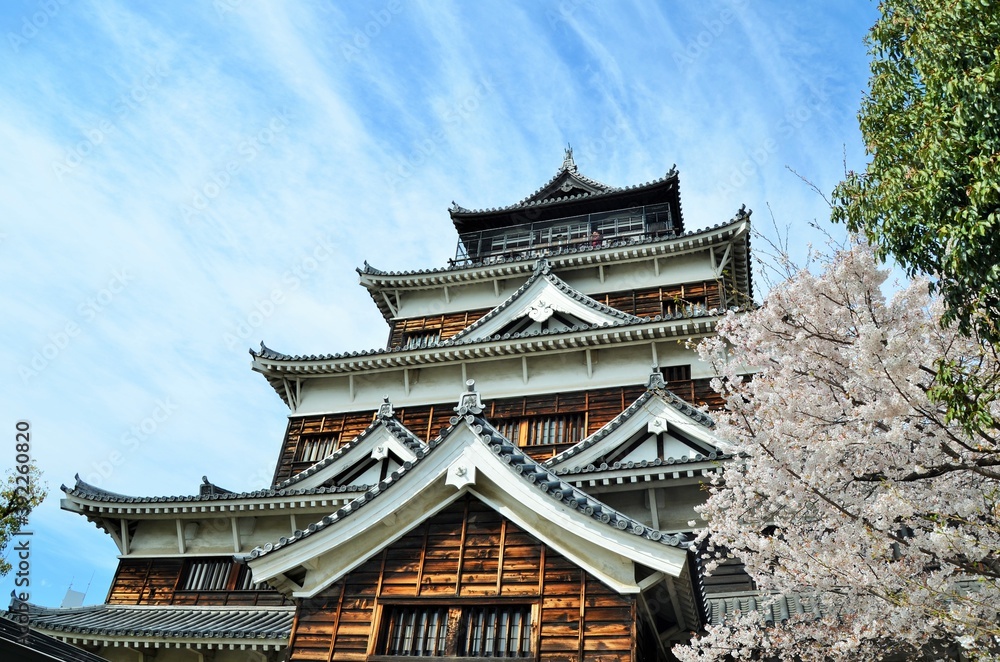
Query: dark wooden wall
(467, 555)
(598, 405)
(156, 582)
(684, 299)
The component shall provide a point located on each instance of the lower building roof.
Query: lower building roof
(19, 642)
(773, 608)
(249, 626)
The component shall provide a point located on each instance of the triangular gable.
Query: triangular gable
(657, 428)
(544, 303)
(384, 447)
(471, 457)
(567, 182)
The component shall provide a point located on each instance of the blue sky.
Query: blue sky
(169, 170)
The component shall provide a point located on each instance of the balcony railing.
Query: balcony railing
(544, 237)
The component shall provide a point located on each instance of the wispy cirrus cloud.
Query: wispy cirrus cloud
(237, 160)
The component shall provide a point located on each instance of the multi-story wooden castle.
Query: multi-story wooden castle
(513, 476)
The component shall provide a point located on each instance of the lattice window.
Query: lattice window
(314, 449)
(417, 631)
(475, 631)
(543, 430)
(511, 241)
(207, 576)
(676, 373)
(419, 339)
(495, 632)
(244, 581)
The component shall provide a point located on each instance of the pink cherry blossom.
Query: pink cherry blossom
(850, 484)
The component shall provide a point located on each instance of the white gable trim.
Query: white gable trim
(539, 302)
(656, 416)
(331, 552)
(376, 444)
(376, 447)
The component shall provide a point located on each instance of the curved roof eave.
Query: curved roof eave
(278, 367)
(375, 279)
(460, 214)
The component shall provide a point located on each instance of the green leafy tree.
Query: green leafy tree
(930, 196)
(22, 491)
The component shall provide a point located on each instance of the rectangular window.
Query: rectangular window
(314, 449)
(543, 430)
(675, 373)
(474, 631)
(417, 631)
(207, 576)
(496, 632)
(219, 575)
(419, 339)
(244, 581)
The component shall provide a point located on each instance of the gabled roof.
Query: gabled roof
(385, 436)
(471, 456)
(567, 181)
(28, 645)
(542, 295)
(237, 627)
(570, 193)
(658, 418)
(93, 501)
(772, 608)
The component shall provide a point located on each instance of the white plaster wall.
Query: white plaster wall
(215, 535)
(618, 365)
(637, 273)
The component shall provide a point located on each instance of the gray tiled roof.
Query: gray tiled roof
(86, 491)
(269, 354)
(696, 415)
(16, 642)
(167, 622)
(529, 202)
(367, 269)
(543, 270)
(774, 608)
(528, 469)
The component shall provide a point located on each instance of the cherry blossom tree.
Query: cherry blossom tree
(852, 487)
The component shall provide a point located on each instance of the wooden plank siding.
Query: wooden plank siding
(685, 299)
(446, 324)
(598, 407)
(465, 556)
(157, 582)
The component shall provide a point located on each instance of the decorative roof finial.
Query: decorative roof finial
(385, 409)
(470, 402)
(656, 379)
(568, 162)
